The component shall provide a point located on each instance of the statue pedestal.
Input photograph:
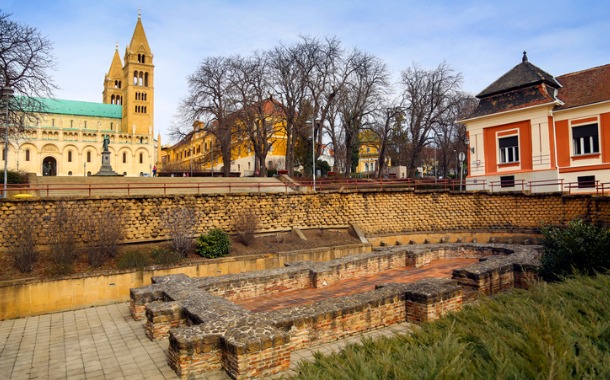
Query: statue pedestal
(106, 169)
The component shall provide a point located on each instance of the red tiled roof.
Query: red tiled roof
(585, 87)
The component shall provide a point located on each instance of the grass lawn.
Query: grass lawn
(552, 331)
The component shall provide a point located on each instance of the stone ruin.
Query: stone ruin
(207, 331)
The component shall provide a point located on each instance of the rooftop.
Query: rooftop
(78, 108)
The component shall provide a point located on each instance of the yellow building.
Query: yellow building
(199, 151)
(66, 139)
(368, 154)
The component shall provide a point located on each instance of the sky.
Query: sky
(482, 40)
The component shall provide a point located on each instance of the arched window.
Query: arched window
(124, 157)
(27, 154)
(140, 79)
(69, 156)
(116, 84)
(146, 80)
(141, 140)
(135, 78)
(88, 156)
(112, 99)
(111, 126)
(70, 172)
(141, 158)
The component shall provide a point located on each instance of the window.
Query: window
(586, 181)
(27, 154)
(111, 126)
(124, 157)
(509, 149)
(585, 139)
(507, 181)
(89, 156)
(69, 156)
(141, 158)
(4, 154)
(85, 124)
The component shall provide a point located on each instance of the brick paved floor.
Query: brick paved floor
(436, 269)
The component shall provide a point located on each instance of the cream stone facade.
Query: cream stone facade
(534, 132)
(66, 137)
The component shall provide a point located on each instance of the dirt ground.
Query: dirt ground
(273, 243)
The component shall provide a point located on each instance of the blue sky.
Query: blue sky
(480, 39)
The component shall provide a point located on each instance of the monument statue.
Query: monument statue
(106, 143)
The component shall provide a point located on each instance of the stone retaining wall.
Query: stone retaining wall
(374, 212)
(214, 333)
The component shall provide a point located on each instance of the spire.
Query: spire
(524, 59)
(139, 42)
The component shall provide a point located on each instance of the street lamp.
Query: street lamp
(313, 149)
(438, 135)
(7, 94)
(191, 160)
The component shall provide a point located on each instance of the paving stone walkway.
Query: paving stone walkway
(104, 342)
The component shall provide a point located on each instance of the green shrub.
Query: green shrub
(163, 256)
(215, 243)
(133, 259)
(14, 177)
(577, 248)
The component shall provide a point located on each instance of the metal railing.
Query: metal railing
(325, 185)
(164, 188)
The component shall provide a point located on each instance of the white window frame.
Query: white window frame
(509, 154)
(584, 145)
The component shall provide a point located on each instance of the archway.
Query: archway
(49, 166)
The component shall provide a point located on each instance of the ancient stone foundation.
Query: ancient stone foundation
(207, 331)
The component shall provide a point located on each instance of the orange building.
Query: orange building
(541, 133)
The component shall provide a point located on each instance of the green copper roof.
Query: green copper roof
(74, 107)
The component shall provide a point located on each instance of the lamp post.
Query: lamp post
(7, 94)
(313, 150)
(191, 160)
(438, 136)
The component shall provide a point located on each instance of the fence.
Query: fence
(325, 185)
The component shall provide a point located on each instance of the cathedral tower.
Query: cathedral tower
(138, 86)
(114, 80)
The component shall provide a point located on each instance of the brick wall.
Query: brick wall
(375, 212)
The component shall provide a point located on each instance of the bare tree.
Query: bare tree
(260, 118)
(387, 122)
(450, 134)
(290, 70)
(364, 89)
(25, 59)
(212, 98)
(428, 97)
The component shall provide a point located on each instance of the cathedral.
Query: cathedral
(66, 138)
